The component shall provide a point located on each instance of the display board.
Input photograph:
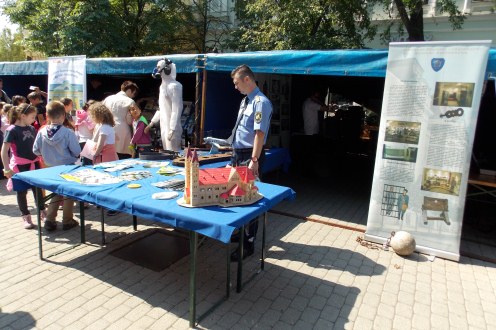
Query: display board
(430, 105)
(67, 78)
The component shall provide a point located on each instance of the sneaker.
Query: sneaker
(43, 215)
(50, 225)
(28, 224)
(70, 224)
(111, 213)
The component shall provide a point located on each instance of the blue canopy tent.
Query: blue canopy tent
(219, 96)
(222, 99)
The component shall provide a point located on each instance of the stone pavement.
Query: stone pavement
(316, 277)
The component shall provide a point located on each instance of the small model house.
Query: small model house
(228, 186)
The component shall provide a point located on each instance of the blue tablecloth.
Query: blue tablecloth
(213, 221)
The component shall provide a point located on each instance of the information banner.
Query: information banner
(429, 113)
(67, 78)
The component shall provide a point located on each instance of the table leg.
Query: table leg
(39, 202)
(264, 224)
(135, 222)
(81, 221)
(193, 248)
(239, 285)
(228, 269)
(102, 219)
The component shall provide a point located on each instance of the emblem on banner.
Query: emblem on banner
(437, 63)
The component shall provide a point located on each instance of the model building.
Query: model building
(228, 186)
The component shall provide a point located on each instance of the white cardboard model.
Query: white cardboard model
(225, 187)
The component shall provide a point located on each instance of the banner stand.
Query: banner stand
(429, 114)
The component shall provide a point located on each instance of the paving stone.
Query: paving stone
(316, 276)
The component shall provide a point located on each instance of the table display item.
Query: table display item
(134, 185)
(203, 159)
(164, 155)
(152, 164)
(228, 186)
(117, 167)
(135, 175)
(91, 177)
(172, 184)
(168, 170)
(165, 195)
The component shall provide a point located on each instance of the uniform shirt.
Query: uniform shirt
(21, 139)
(256, 116)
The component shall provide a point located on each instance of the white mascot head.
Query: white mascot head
(165, 68)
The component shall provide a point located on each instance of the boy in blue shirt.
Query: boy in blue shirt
(58, 145)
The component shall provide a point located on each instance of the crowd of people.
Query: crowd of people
(35, 134)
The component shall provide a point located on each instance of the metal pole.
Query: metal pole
(81, 220)
(204, 105)
(264, 224)
(193, 249)
(239, 285)
(39, 202)
(135, 222)
(102, 220)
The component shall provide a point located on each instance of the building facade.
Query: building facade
(480, 23)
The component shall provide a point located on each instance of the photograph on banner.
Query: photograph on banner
(67, 79)
(402, 131)
(429, 113)
(443, 182)
(454, 94)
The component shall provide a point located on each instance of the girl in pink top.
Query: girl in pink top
(19, 139)
(103, 133)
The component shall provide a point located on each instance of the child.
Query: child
(19, 139)
(5, 119)
(58, 145)
(69, 107)
(3, 123)
(141, 141)
(84, 128)
(103, 134)
(36, 101)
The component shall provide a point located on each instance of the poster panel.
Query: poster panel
(429, 113)
(67, 78)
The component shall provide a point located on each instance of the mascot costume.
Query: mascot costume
(170, 103)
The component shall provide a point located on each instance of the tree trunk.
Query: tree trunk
(415, 23)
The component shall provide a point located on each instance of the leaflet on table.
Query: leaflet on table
(91, 177)
(428, 117)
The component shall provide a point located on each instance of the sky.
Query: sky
(4, 21)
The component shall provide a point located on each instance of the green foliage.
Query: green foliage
(302, 24)
(97, 27)
(11, 49)
(407, 17)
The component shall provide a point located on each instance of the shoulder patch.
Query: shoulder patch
(258, 117)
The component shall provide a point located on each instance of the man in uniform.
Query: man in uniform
(248, 138)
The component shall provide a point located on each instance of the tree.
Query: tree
(327, 24)
(302, 24)
(208, 25)
(10, 46)
(97, 27)
(409, 15)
